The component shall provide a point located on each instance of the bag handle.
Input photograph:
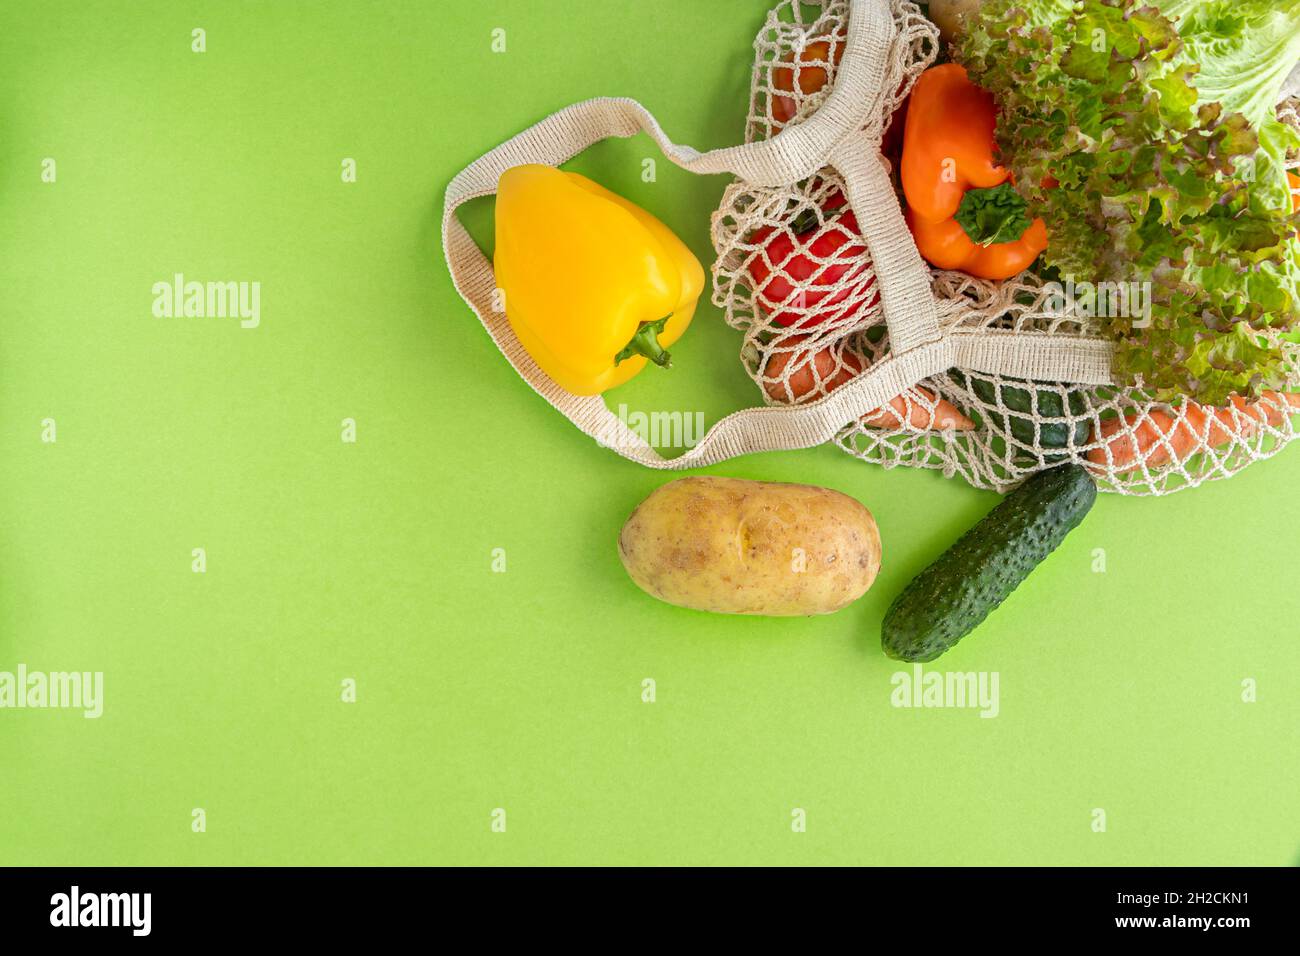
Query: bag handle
(556, 139)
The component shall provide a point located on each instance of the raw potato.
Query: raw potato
(951, 16)
(751, 547)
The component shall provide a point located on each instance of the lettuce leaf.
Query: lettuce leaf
(1105, 122)
(1245, 50)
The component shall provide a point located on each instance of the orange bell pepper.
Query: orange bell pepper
(946, 245)
(961, 208)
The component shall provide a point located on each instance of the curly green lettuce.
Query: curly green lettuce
(1245, 50)
(1107, 122)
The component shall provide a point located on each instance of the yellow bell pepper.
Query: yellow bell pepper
(594, 285)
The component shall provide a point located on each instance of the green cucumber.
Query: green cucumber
(950, 598)
(1022, 427)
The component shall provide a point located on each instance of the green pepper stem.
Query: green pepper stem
(646, 342)
(992, 215)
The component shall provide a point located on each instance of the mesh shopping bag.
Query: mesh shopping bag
(849, 336)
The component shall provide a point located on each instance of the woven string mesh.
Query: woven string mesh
(793, 274)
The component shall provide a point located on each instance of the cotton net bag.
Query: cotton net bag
(851, 337)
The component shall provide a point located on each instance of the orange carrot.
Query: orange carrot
(1161, 436)
(920, 408)
(1288, 400)
(811, 366)
(810, 78)
(927, 412)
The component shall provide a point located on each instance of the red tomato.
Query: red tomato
(816, 259)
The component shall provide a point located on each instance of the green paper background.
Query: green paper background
(476, 690)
